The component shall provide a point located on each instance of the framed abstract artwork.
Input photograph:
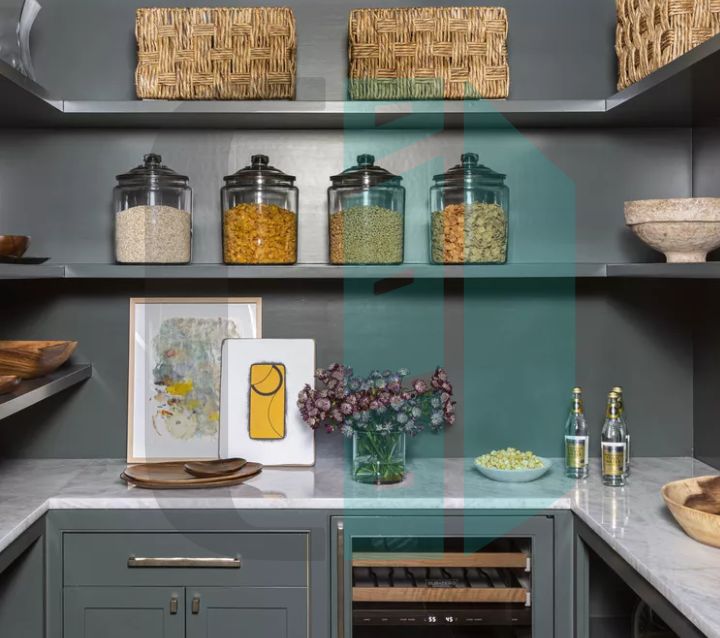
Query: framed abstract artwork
(175, 373)
(259, 418)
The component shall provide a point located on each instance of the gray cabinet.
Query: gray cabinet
(229, 612)
(196, 584)
(119, 612)
(191, 612)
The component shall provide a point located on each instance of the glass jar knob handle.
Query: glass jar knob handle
(259, 160)
(365, 160)
(469, 159)
(152, 159)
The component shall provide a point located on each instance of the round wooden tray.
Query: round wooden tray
(172, 475)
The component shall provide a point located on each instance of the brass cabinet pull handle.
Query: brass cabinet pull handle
(174, 605)
(195, 606)
(340, 557)
(178, 561)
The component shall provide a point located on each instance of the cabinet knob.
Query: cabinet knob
(195, 606)
(174, 605)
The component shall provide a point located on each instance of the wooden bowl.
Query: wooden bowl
(8, 383)
(695, 504)
(31, 359)
(13, 245)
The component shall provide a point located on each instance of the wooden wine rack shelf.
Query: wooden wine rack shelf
(439, 595)
(516, 560)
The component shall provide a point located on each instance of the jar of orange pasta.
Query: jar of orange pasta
(259, 215)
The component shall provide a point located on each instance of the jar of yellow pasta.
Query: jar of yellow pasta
(259, 215)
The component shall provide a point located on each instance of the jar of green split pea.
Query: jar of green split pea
(366, 207)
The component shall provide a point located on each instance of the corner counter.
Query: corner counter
(633, 520)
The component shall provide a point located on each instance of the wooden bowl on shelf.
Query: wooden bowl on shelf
(8, 383)
(13, 246)
(695, 504)
(31, 359)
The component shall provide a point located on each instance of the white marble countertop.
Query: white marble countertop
(632, 520)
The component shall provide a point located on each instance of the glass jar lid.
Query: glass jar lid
(152, 171)
(468, 170)
(259, 172)
(366, 174)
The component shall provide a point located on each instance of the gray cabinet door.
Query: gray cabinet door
(232, 612)
(120, 612)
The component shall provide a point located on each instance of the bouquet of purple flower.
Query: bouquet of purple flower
(377, 403)
(377, 411)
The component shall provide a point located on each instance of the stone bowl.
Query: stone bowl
(685, 230)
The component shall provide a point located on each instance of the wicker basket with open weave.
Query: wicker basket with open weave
(210, 54)
(651, 33)
(428, 53)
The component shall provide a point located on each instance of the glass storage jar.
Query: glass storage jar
(366, 208)
(469, 206)
(153, 215)
(259, 215)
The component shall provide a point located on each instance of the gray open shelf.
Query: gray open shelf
(660, 270)
(707, 270)
(305, 271)
(33, 391)
(682, 93)
(325, 271)
(17, 271)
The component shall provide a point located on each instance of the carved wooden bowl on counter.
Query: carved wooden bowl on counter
(684, 230)
(31, 359)
(695, 504)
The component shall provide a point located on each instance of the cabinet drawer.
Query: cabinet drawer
(159, 559)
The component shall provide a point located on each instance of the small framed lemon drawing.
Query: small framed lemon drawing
(267, 401)
(259, 418)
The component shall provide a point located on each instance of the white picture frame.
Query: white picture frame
(276, 442)
(174, 373)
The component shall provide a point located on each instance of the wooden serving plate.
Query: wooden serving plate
(31, 359)
(695, 504)
(8, 383)
(218, 467)
(172, 475)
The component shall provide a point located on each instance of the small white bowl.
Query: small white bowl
(514, 476)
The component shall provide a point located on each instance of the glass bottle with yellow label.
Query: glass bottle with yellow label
(623, 414)
(613, 444)
(576, 439)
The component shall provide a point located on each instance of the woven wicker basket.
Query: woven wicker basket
(206, 54)
(651, 33)
(428, 53)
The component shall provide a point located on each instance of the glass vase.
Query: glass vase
(378, 458)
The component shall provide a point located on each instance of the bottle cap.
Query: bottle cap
(577, 390)
(617, 389)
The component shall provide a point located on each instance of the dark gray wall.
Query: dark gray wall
(706, 169)
(557, 48)
(512, 346)
(567, 187)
